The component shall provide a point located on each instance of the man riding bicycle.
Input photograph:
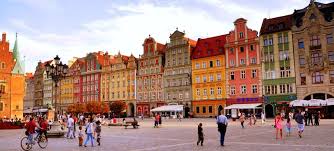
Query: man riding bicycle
(30, 126)
(43, 127)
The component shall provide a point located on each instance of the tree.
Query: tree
(117, 107)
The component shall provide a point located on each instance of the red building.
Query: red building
(91, 76)
(243, 64)
(77, 80)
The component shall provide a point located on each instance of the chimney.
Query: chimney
(4, 37)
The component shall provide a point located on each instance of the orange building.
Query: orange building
(12, 81)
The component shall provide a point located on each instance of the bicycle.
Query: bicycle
(41, 139)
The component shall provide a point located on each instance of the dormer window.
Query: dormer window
(271, 27)
(280, 26)
(241, 34)
(313, 17)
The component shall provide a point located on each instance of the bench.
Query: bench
(130, 124)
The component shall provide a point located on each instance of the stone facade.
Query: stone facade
(177, 72)
(150, 77)
(312, 34)
(28, 101)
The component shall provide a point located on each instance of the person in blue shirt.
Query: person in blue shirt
(222, 123)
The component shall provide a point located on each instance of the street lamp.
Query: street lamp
(56, 72)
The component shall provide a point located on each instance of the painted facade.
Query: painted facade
(208, 77)
(150, 77)
(243, 65)
(28, 101)
(277, 64)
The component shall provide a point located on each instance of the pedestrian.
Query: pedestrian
(222, 125)
(179, 117)
(98, 130)
(70, 127)
(80, 135)
(288, 126)
(254, 119)
(300, 125)
(278, 126)
(306, 117)
(250, 119)
(263, 117)
(160, 120)
(142, 116)
(75, 120)
(242, 120)
(200, 134)
(316, 118)
(310, 119)
(89, 131)
(156, 121)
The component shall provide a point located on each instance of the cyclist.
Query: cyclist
(30, 126)
(44, 127)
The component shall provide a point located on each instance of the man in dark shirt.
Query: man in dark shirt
(299, 119)
(200, 134)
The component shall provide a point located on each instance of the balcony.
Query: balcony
(315, 47)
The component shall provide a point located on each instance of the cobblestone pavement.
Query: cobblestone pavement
(181, 136)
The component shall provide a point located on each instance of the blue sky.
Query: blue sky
(72, 28)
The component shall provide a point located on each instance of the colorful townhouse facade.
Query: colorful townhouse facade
(149, 87)
(243, 65)
(12, 80)
(28, 101)
(208, 77)
(278, 64)
(177, 71)
(75, 69)
(66, 90)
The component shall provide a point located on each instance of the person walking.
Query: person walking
(98, 130)
(89, 132)
(250, 119)
(288, 127)
(316, 118)
(160, 120)
(263, 117)
(242, 120)
(306, 117)
(70, 127)
(254, 119)
(278, 125)
(80, 136)
(310, 119)
(222, 125)
(200, 134)
(300, 125)
(156, 121)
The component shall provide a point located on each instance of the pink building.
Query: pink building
(243, 64)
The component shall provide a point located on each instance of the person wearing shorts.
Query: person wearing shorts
(300, 124)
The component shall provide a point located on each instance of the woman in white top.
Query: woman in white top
(89, 132)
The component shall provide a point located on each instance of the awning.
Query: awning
(168, 108)
(27, 111)
(312, 102)
(330, 101)
(40, 110)
(244, 106)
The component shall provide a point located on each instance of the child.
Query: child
(200, 134)
(288, 127)
(98, 132)
(80, 136)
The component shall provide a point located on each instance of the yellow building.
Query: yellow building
(118, 81)
(208, 77)
(66, 89)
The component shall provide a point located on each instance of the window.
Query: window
(204, 79)
(198, 92)
(254, 73)
(232, 75)
(251, 47)
(286, 39)
(204, 109)
(280, 39)
(232, 63)
(241, 34)
(197, 109)
(219, 90)
(242, 61)
(218, 63)
(2, 65)
(315, 41)
(197, 79)
(331, 56)
(232, 90)
(274, 89)
(302, 79)
(174, 62)
(180, 96)
(210, 109)
(212, 91)
(211, 78)
(242, 49)
(197, 66)
(204, 65)
(329, 39)
(331, 76)
(254, 88)
(211, 64)
(205, 92)
(302, 61)
(231, 50)
(283, 55)
(243, 89)
(243, 74)
(270, 41)
(282, 88)
(265, 41)
(1, 106)
(253, 60)
(219, 77)
(317, 78)
(289, 88)
(316, 57)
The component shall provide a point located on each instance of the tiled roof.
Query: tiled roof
(192, 42)
(161, 48)
(207, 47)
(277, 24)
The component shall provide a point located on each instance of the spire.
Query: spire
(16, 50)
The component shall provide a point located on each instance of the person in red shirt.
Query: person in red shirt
(43, 127)
(30, 126)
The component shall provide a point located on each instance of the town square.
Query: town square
(166, 75)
